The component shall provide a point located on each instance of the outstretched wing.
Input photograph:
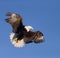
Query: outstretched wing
(35, 37)
(38, 37)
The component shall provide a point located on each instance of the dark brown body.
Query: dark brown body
(16, 22)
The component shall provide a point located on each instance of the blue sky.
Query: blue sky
(43, 15)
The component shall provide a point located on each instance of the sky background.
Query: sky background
(43, 15)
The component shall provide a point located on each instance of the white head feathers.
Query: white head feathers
(28, 28)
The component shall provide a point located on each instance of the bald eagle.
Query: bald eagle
(22, 34)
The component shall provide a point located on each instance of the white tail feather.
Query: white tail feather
(19, 43)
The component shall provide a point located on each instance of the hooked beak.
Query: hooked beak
(9, 14)
(7, 20)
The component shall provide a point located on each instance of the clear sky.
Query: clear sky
(43, 15)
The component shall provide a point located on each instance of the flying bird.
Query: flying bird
(22, 34)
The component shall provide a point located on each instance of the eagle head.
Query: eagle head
(13, 18)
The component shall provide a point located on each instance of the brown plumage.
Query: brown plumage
(15, 21)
